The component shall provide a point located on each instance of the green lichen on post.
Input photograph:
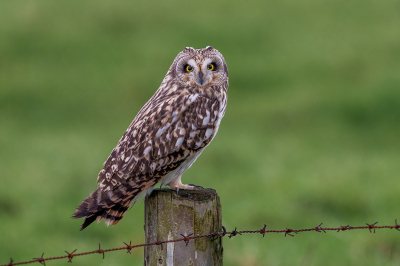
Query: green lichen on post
(202, 226)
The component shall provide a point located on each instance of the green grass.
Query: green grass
(311, 132)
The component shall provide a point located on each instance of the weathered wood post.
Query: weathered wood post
(168, 215)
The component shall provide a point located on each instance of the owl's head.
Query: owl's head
(200, 67)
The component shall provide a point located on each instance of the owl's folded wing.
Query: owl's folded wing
(158, 143)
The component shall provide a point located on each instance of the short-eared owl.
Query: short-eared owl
(165, 138)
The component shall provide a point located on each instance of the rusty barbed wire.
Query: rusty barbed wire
(212, 236)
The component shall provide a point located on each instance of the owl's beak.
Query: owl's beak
(201, 78)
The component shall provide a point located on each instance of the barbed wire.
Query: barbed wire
(211, 236)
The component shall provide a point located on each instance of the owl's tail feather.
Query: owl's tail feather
(112, 216)
(110, 206)
(115, 214)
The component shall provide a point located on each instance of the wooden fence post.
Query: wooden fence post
(168, 215)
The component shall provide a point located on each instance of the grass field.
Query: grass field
(311, 132)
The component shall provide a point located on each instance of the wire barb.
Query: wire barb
(288, 231)
(11, 262)
(70, 255)
(187, 238)
(40, 260)
(371, 226)
(262, 230)
(343, 228)
(159, 243)
(128, 247)
(318, 228)
(100, 251)
(234, 232)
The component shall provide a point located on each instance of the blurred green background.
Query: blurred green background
(311, 132)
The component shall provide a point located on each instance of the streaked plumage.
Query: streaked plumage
(165, 138)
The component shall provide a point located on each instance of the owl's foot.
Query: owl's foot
(177, 185)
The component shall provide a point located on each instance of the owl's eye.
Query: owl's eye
(188, 68)
(211, 66)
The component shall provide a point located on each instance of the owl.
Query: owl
(165, 138)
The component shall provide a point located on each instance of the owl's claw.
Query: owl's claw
(193, 185)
